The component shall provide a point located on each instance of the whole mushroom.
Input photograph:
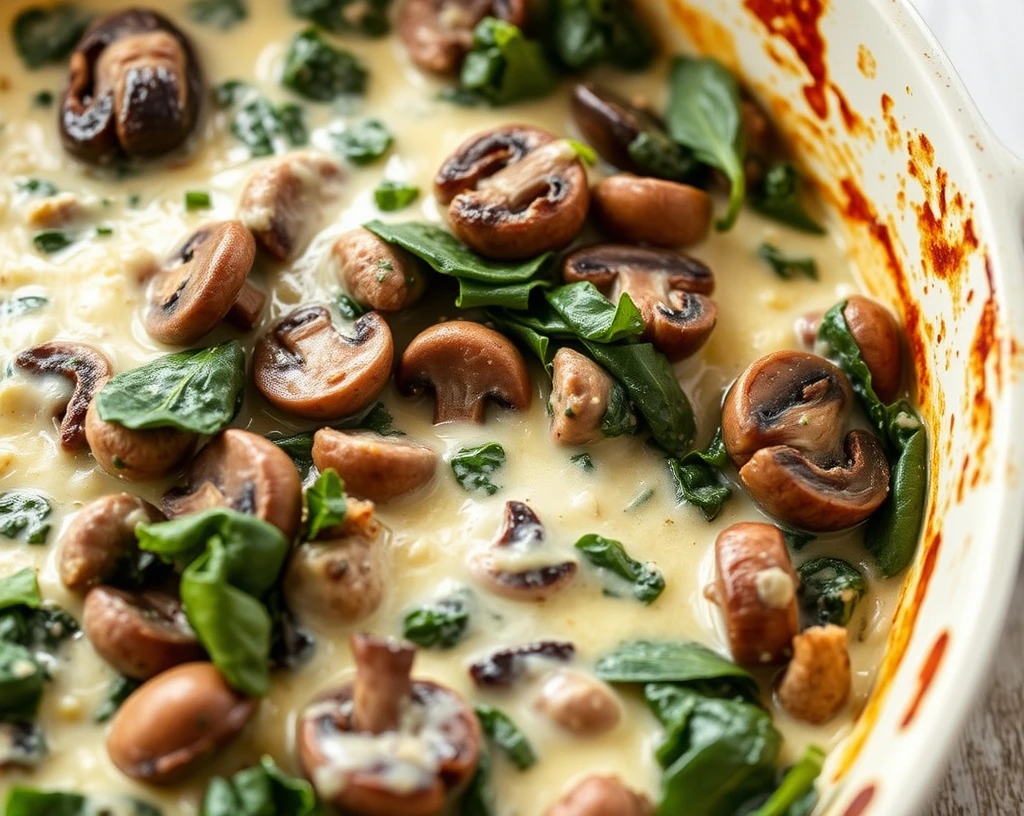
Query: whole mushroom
(581, 396)
(136, 455)
(375, 467)
(376, 274)
(437, 34)
(601, 795)
(636, 209)
(134, 89)
(878, 337)
(388, 744)
(579, 703)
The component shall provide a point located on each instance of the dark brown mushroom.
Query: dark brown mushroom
(376, 274)
(501, 566)
(348, 740)
(375, 467)
(136, 455)
(246, 472)
(668, 288)
(101, 538)
(174, 722)
(86, 367)
(283, 200)
(636, 210)
(610, 124)
(464, 364)
(514, 192)
(199, 283)
(579, 703)
(504, 667)
(305, 366)
(140, 634)
(134, 89)
(755, 588)
(601, 795)
(878, 337)
(437, 34)
(817, 681)
(758, 140)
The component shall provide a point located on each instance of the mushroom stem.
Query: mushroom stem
(245, 311)
(383, 683)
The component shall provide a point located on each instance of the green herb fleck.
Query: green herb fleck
(441, 624)
(42, 99)
(395, 195)
(220, 14)
(362, 143)
(584, 461)
(785, 267)
(473, 467)
(325, 503)
(507, 736)
(197, 200)
(50, 241)
(35, 186)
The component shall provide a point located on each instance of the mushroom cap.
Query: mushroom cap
(140, 634)
(373, 466)
(199, 283)
(136, 455)
(820, 497)
(881, 345)
(171, 724)
(246, 472)
(646, 210)
(377, 274)
(580, 392)
(305, 366)
(579, 703)
(609, 124)
(603, 265)
(601, 795)
(465, 364)
(85, 366)
(134, 87)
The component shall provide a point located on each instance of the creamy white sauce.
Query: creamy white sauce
(96, 289)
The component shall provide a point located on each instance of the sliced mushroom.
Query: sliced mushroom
(86, 367)
(136, 455)
(601, 795)
(817, 681)
(134, 89)
(667, 287)
(502, 668)
(282, 201)
(580, 395)
(377, 274)
(172, 723)
(101, 538)
(246, 472)
(579, 703)
(437, 34)
(610, 124)
(755, 588)
(375, 467)
(305, 366)
(199, 283)
(464, 364)
(341, 577)
(514, 192)
(512, 567)
(878, 337)
(140, 634)
(636, 210)
(388, 744)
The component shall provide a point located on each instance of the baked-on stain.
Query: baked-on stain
(866, 62)
(929, 668)
(860, 802)
(709, 37)
(892, 128)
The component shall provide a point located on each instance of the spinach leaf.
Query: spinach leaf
(24, 514)
(507, 736)
(50, 241)
(25, 801)
(26, 304)
(198, 390)
(473, 467)
(778, 197)
(369, 17)
(233, 560)
(119, 690)
(474, 294)
(584, 152)
(22, 745)
(585, 32)
(260, 125)
(362, 143)
(652, 386)
(590, 315)
(220, 14)
(787, 267)
(395, 195)
(43, 35)
(20, 589)
(584, 460)
(704, 116)
(262, 790)
(197, 200)
(698, 477)
(796, 540)
(442, 623)
(42, 99)
(618, 419)
(662, 157)
(653, 661)
(325, 503)
(607, 554)
(830, 590)
(796, 785)
(316, 70)
(36, 187)
(41, 630)
(509, 324)
(504, 66)
(479, 798)
(21, 682)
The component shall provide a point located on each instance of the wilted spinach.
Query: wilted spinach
(442, 623)
(369, 17)
(47, 34)
(118, 691)
(36, 187)
(220, 14)
(698, 477)
(479, 798)
(662, 157)
(796, 796)
(646, 581)
(507, 736)
(504, 66)
(395, 195)
(585, 32)
(778, 197)
(830, 590)
(325, 503)
(362, 143)
(473, 467)
(260, 125)
(584, 461)
(618, 419)
(22, 745)
(590, 315)
(25, 801)
(261, 790)
(23, 515)
(787, 267)
(316, 70)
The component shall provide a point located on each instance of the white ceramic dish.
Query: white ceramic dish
(931, 208)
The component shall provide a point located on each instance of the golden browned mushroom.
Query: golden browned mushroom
(282, 201)
(465, 365)
(305, 366)
(375, 467)
(171, 724)
(101, 538)
(437, 34)
(134, 89)
(246, 472)
(579, 703)
(878, 337)
(199, 283)
(341, 577)
(388, 744)
(580, 395)
(755, 588)
(86, 367)
(140, 634)
(511, 567)
(376, 274)
(601, 795)
(514, 192)
(636, 209)
(667, 287)
(818, 678)
(136, 455)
